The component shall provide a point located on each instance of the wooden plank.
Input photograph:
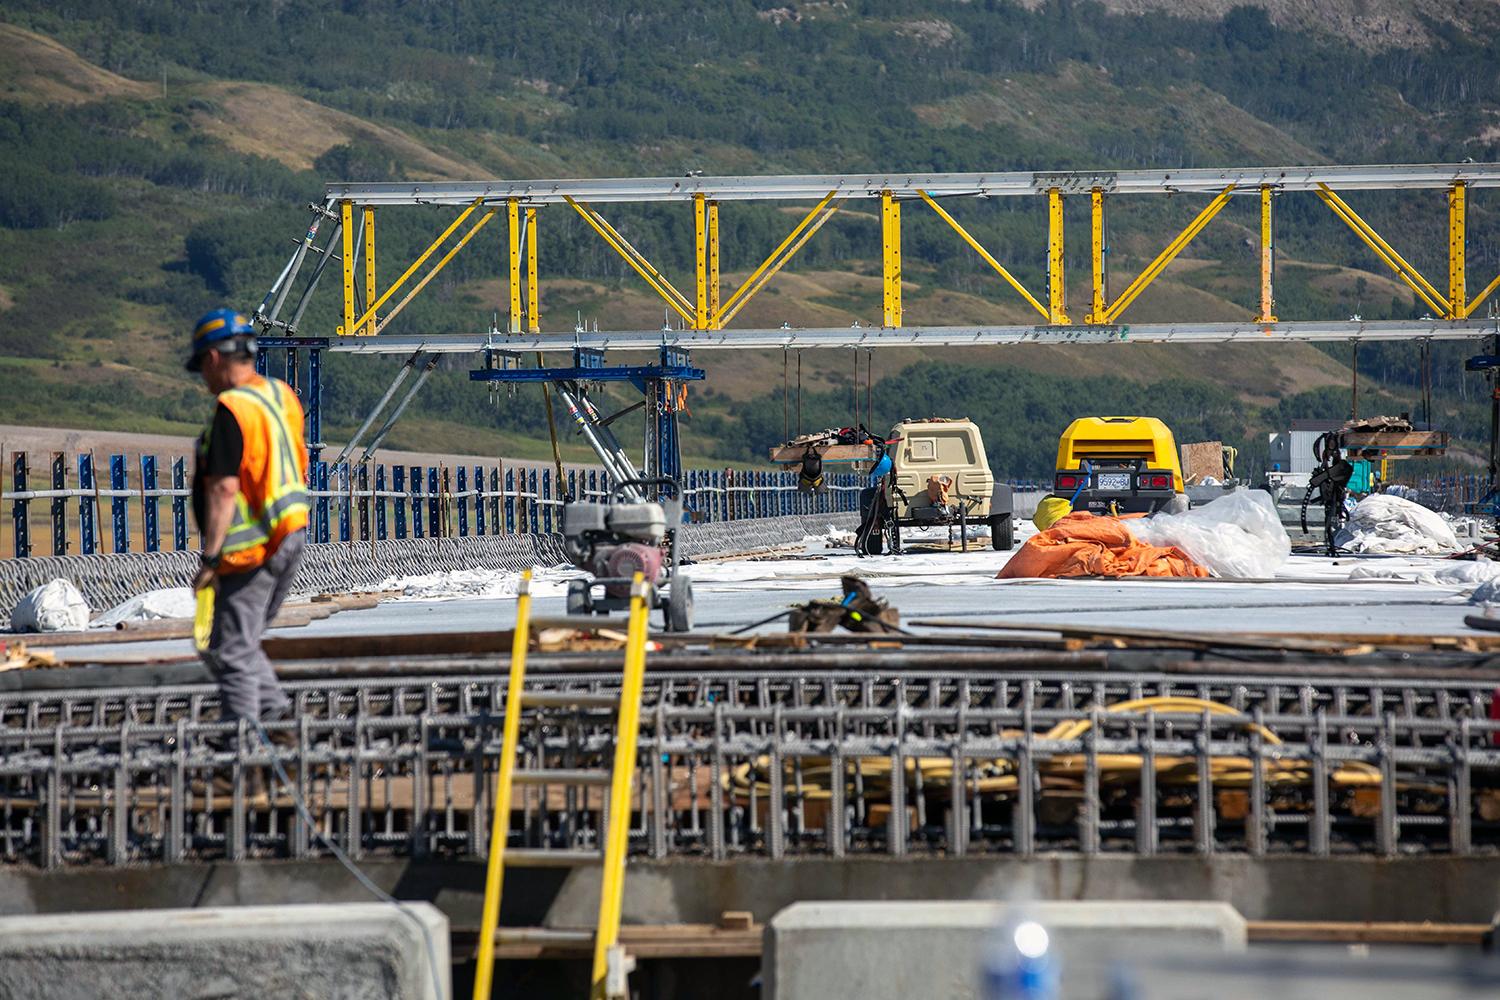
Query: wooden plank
(744, 941)
(792, 454)
(640, 940)
(1366, 932)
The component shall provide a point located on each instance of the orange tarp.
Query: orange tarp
(1084, 545)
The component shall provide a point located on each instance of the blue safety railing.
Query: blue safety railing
(368, 502)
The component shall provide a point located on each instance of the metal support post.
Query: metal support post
(119, 510)
(533, 312)
(513, 211)
(313, 402)
(1057, 289)
(179, 505)
(1458, 293)
(346, 216)
(1267, 258)
(700, 259)
(1096, 229)
(890, 233)
(87, 503)
(713, 262)
(150, 523)
(369, 227)
(60, 504)
(20, 509)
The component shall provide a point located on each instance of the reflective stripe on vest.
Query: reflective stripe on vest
(287, 493)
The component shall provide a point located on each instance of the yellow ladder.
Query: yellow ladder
(608, 981)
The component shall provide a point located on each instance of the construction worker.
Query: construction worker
(250, 502)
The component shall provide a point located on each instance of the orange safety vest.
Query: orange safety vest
(272, 501)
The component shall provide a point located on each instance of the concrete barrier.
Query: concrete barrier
(830, 951)
(367, 950)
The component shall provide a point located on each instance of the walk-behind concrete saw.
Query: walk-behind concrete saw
(628, 534)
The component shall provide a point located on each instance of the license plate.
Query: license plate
(1116, 481)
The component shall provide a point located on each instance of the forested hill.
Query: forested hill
(158, 157)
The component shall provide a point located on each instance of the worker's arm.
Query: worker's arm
(219, 493)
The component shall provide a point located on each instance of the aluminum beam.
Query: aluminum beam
(927, 336)
(1245, 180)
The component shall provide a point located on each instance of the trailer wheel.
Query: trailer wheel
(680, 605)
(579, 601)
(1002, 533)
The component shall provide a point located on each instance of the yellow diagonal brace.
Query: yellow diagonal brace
(1167, 255)
(766, 276)
(608, 235)
(682, 300)
(1479, 299)
(739, 292)
(494, 879)
(415, 264)
(1384, 251)
(984, 254)
(442, 263)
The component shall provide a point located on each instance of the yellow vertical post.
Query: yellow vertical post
(500, 821)
(700, 257)
(616, 839)
(1267, 258)
(346, 218)
(1458, 293)
(713, 262)
(890, 231)
(369, 329)
(1057, 289)
(1099, 301)
(533, 312)
(513, 207)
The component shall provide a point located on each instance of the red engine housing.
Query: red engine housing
(625, 561)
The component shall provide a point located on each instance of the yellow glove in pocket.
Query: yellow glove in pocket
(203, 618)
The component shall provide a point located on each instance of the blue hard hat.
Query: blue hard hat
(214, 328)
(882, 468)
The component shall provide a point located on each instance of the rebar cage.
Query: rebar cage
(771, 764)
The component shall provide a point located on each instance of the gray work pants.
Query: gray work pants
(243, 607)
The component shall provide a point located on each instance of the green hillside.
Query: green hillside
(159, 156)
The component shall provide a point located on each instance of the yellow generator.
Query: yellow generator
(1118, 465)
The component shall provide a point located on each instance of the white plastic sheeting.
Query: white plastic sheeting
(1238, 536)
(1385, 523)
(170, 602)
(482, 583)
(53, 607)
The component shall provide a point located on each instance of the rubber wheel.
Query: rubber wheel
(680, 605)
(1002, 533)
(579, 601)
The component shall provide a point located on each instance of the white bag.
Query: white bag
(171, 602)
(1237, 536)
(1390, 524)
(52, 607)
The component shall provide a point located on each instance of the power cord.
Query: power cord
(305, 815)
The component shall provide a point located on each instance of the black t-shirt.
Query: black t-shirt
(219, 454)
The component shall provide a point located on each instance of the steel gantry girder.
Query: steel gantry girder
(705, 311)
(1250, 331)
